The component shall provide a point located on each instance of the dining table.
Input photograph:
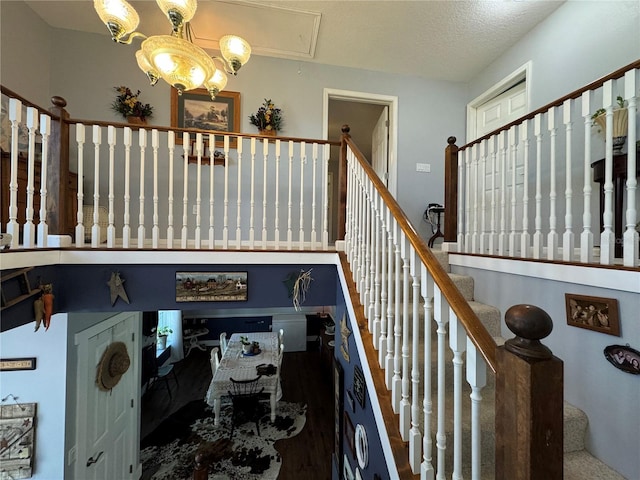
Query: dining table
(242, 366)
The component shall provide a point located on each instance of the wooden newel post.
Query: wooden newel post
(200, 470)
(342, 183)
(57, 169)
(529, 400)
(450, 190)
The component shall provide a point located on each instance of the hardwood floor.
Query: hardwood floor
(305, 378)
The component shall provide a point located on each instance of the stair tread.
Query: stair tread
(581, 465)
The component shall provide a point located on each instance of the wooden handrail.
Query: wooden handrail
(27, 103)
(556, 103)
(474, 328)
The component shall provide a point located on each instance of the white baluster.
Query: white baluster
(303, 163)
(225, 224)
(415, 438)
(607, 237)
(239, 199)
(552, 236)
(586, 237)
(265, 156)
(568, 238)
(502, 165)
(426, 290)
(477, 379)
(441, 315)
(537, 235)
(468, 199)
(155, 231)
(325, 196)
(484, 236)
(198, 229)
(476, 201)
(493, 233)
(126, 228)
(458, 344)
(377, 230)
(630, 236)
(405, 405)
(212, 143)
(513, 155)
(111, 229)
(171, 144)
(185, 190)
(314, 166)
(15, 116)
(43, 227)
(252, 196)
(276, 222)
(384, 297)
(29, 231)
(368, 223)
(391, 281)
(525, 238)
(95, 229)
(80, 139)
(142, 142)
(462, 195)
(290, 203)
(397, 329)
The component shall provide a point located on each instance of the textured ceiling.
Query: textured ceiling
(448, 40)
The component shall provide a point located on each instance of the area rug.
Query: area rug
(168, 453)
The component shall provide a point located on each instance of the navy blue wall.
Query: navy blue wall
(361, 415)
(83, 288)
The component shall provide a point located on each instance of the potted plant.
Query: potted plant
(246, 344)
(162, 334)
(620, 123)
(268, 118)
(130, 107)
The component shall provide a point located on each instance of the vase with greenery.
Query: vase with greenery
(129, 105)
(162, 333)
(620, 123)
(268, 118)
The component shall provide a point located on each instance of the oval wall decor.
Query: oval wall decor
(624, 358)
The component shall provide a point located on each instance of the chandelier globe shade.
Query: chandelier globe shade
(235, 50)
(120, 18)
(174, 58)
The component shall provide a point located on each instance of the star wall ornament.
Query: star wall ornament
(116, 285)
(344, 333)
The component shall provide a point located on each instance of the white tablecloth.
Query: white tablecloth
(234, 364)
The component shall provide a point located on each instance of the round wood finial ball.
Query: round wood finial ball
(528, 321)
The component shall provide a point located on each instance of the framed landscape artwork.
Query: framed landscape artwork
(211, 286)
(195, 109)
(593, 313)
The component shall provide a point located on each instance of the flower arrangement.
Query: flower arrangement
(601, 111)
(164, 331)
(268, 117)
(127, 104)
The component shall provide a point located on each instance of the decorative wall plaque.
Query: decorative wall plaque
(17, 436)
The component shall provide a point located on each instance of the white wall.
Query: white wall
(45, 386)
(607, 395)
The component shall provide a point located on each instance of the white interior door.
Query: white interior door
(502, 109)
(107, 422)
(380, 146)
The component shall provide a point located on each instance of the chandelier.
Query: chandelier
(174, 58)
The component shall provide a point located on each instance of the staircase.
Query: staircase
(579, 464)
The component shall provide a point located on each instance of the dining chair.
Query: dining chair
(223, 342)
(154, 372)
(245, 400)
(215, 359)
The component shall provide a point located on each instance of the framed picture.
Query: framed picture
(624, 358)
(594, 313)
(350, 434)
(211, 286)
(195, 109)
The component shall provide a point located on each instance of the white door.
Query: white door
(380, 146)
(502, 109)
(107, 421)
